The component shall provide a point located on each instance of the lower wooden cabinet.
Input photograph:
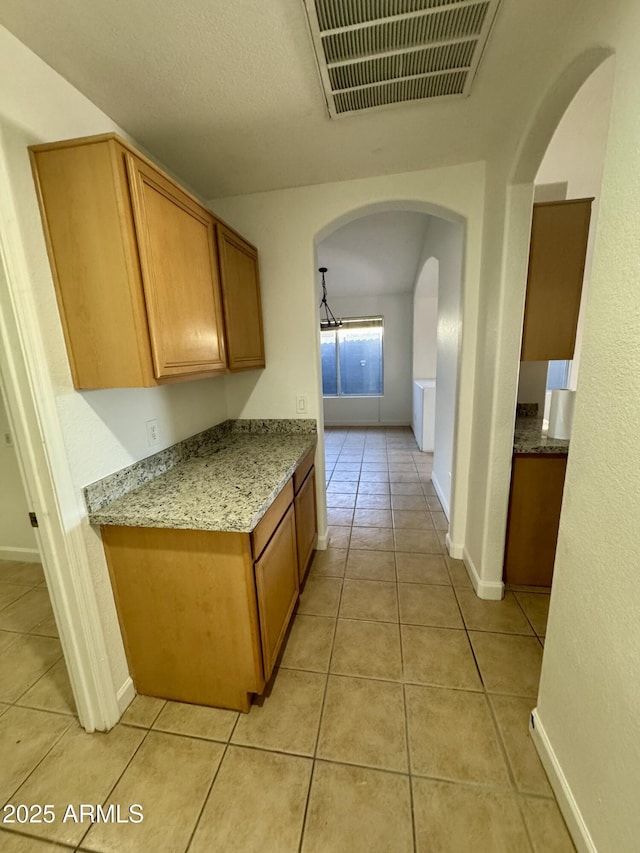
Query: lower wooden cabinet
(277, 585)
(535, 501)
(204, 614)
(188, 612)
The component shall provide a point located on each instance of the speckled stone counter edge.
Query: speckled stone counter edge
(103, 492)
(526, 410)
(529, 438)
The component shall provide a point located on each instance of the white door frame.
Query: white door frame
(44, 466)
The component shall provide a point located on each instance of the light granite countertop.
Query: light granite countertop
(227, 487)
(530, 437)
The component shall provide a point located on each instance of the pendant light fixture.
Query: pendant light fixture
(329, 321)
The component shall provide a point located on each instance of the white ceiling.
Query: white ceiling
(374, 255)
(226, 92)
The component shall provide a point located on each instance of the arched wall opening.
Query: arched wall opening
(585, 722)
(443, 242)
(287, 225)
(425, 321)
(503, 310)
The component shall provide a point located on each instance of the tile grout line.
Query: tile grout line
(402, 683)
(213, 781)
(36, 682)
(322, 708)
(35, 767)
(115, 784)
(483, 687)
(22, 834)
(410, 768)
(502, 745)
(533, 627)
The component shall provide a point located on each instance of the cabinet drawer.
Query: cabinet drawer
(270, 520)
(303, 469)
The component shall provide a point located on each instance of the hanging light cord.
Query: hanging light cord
(329, 321)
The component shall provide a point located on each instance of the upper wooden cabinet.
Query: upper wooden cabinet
(557, 254)
(179, 264)
(136, 267)
(242, 308)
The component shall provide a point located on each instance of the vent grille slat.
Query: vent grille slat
(409, 32)
(413, 64)
(334, 14)
(373, 54)
(436, 86)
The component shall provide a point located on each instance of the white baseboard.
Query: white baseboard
(21, 555)
(323, 541)
(440, 494)
(125, 695)
(456, 550)
(488, 590)
(566, 801)
(366, 424)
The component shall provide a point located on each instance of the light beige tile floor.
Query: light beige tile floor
(397, 720)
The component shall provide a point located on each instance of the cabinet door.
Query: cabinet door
(277, 584)
(559, 233)
(306, 523)
(179, 266)
(241, 297)
(537, 482)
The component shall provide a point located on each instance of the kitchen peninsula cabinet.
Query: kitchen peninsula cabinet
(559, 234)
(137, 271)
(204, 613)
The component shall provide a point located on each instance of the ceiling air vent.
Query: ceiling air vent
(376, 53)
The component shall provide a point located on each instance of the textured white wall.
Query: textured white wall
(425, 328)
(374, 255)
(16, 533)
(445, 242)
(285, 225)
(425, 317)
(590, 688)
(394, 407)
(103, 430)
(532, 383)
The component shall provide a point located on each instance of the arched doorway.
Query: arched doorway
(445, 236)
(508, 236)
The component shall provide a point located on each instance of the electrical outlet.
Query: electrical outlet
(153, 433)
(302, 404)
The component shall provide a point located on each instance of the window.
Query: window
(558, 375)
(352, 358)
